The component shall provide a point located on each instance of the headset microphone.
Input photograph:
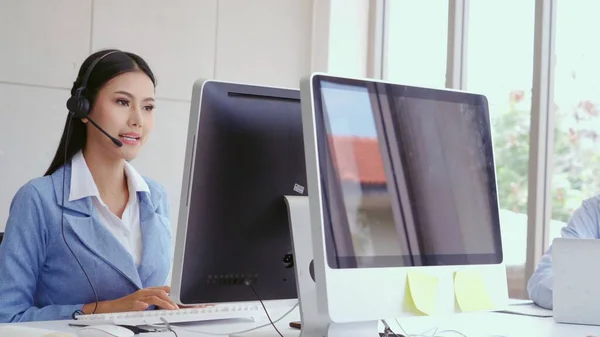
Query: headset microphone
(114, 140)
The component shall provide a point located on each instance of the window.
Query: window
(500, 66)
(416, 42)
(576, 155)
(498, 61)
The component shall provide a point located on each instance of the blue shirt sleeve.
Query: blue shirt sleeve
(583, 224)
(22, 254)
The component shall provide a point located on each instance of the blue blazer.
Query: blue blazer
(39, 277)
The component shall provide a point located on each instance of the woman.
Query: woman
(108, 249)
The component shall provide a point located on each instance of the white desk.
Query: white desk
(478, 324)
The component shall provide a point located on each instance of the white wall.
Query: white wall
(42, 44)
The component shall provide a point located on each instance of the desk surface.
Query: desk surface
(477, 324)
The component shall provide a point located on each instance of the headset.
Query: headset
(79, 106)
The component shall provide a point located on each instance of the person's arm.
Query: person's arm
(583, 224)
(22, 253)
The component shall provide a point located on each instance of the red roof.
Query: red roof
(358, 159)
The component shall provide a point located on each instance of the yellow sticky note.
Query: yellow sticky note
(421, 293)
(470, 291)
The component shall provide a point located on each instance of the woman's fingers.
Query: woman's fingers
(158, 294)
(158, 301)
(139, 305)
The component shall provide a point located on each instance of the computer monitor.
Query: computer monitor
(244, 153)
(403, 200)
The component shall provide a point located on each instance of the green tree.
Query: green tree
(576, 156)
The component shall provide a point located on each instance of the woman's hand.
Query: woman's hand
(138, 301)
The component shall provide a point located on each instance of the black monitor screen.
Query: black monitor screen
(249, 154)
(407, 175)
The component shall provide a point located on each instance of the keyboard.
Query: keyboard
(153, 317)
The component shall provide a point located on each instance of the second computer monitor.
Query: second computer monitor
(245, 153)
(404, 206)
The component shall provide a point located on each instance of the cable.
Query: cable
(230, 333)
(436, 331)
(248, 283)
(62, 217)
(168, 326)
(387, 330)
(401, 328)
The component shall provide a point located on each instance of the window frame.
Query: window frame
(539, 203)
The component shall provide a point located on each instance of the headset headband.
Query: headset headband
(88, 73)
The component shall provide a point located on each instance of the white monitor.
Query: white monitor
(403, 201)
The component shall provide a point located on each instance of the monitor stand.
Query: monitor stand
(314, 323)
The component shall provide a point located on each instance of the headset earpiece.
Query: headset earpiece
(78, 104)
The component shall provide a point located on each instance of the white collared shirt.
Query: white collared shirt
(127, 229)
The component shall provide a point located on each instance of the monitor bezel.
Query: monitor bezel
(323, 152)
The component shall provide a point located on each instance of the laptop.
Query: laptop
(576, 288)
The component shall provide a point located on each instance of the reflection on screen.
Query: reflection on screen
(445, 175)
(410, 179)
(357, 161)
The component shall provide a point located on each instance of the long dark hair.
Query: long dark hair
(108, 68)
